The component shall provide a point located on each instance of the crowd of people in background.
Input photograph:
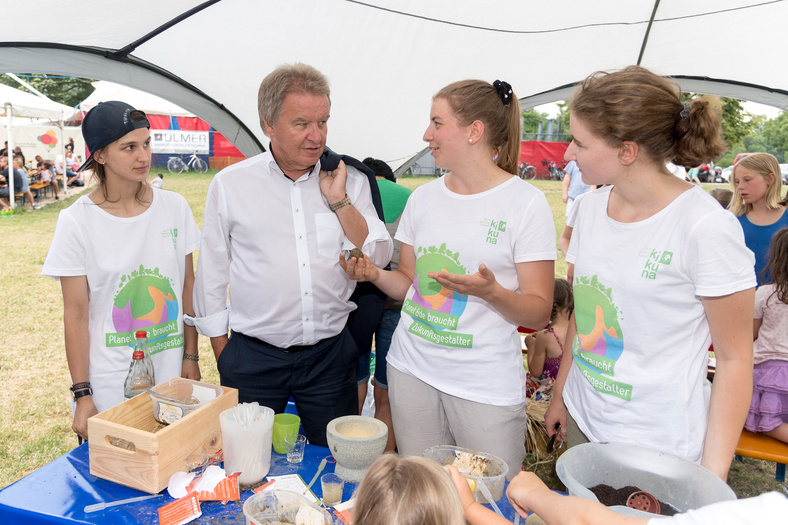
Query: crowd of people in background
(42, 173)
(452, 270)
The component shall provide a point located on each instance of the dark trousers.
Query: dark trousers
(321, 379)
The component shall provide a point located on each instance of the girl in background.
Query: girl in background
(769, 405)
(661, 271)
(546, 347)
(757, 183)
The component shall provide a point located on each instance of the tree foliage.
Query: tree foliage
(531, 119)
(66, 90)
(775, 134)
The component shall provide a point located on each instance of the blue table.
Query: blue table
(58, 493)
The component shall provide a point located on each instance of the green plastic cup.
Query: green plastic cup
(284, 425)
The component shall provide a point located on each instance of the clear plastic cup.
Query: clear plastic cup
(332, 486)
(196, 463)
(295, 444)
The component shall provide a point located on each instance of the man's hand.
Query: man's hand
(332, 184)
(360, 270)
(218, 344)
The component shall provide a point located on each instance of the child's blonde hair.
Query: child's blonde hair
(763, 164)
(778, 264)
(407, 491)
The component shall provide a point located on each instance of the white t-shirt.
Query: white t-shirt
(769, 508)
(463, 347)
(571, 216)
(772, 342)
(640, 359)
(135, 270)
(678, 171)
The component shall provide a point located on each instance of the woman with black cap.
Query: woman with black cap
(123, 257)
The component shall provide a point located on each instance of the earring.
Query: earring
(470, 141)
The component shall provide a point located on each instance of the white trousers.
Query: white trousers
(424, 417)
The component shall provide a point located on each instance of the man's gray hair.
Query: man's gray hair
(288, 78)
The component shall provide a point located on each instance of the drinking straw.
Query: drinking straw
(319, 470)
(486, 492)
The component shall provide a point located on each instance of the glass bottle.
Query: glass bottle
(142, 345)
(138, 380)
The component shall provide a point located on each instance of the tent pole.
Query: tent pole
(9, 111)
(63, 156)
(648, 31)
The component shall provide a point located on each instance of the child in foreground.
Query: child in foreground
(527, 493)
(769, 406)
(417, 491)
(409, 490)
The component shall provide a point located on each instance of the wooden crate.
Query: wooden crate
(159, 450)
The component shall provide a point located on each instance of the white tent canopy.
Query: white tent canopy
(20, 104)
(150, 104)
(385, 58)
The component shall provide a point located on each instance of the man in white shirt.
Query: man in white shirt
(72, 178)
(273, 229)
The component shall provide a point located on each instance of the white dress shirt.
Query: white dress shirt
(277, 244)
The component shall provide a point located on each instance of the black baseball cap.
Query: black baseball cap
(108, 122)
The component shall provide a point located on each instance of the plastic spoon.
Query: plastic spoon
(101, 506)
(483, 487)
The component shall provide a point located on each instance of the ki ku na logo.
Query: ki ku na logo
(655, 259)
(172, 233)
(494, 229)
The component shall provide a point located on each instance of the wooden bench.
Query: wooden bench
(761, 446)
(38, 186)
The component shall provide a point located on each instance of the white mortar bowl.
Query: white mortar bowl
(355, 442)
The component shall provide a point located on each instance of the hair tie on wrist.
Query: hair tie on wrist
(504, 91)
(685, 112)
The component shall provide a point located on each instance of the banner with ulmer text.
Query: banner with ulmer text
(180, 141)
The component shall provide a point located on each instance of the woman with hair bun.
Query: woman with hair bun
(478, 248)
(661, 272)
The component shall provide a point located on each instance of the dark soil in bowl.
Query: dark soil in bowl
(609, 497)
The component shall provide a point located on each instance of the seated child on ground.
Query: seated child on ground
(545, 347)
(48, 177)
(769, 406)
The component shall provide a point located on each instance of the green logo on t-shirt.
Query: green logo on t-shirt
(494, 229)
(146, 300)
(600, 340)
(655, 259)
(436, 310)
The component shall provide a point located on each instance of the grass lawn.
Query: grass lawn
(35, 420)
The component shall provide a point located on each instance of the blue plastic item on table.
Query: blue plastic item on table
(59, 492)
